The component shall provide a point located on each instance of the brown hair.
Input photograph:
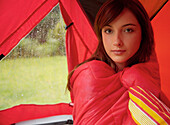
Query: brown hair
(107, 13)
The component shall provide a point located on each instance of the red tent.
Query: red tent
(19, 18)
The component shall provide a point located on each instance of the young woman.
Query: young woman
(124, 58)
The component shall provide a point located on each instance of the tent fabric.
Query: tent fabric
(19, 18)
(81, 40)
(153, 6)
(26, 112)
(161, 28)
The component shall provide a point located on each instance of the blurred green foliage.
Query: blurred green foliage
(46, 39)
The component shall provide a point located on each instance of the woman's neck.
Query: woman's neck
(120, 66)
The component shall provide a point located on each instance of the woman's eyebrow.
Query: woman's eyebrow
(129, 24)
(108, 25)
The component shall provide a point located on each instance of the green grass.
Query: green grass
(33, 81)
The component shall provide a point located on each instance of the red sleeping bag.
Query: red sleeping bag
(101, 96)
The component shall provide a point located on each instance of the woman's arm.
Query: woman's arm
(95, 91)
(145, 75)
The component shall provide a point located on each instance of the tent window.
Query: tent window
(35, 72)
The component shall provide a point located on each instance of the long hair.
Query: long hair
(107, 13)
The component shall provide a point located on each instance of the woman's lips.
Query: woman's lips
(118, 52)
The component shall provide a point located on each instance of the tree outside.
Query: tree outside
(46, 39)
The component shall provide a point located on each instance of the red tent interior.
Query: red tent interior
(161, 27)
(80, 42)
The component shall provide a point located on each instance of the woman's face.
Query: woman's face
(122, 38)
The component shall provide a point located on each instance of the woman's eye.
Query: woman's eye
(108, 31)
(128, 30)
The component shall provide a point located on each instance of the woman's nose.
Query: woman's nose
(117, 40)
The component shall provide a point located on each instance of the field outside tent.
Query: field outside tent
(33, 80)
